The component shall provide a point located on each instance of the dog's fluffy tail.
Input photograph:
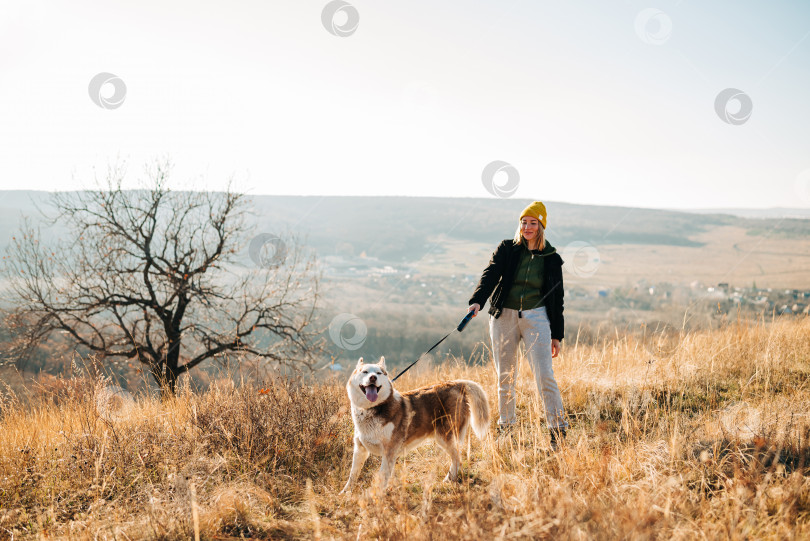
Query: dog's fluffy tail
(479, 408)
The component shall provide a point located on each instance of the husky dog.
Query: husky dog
(387, 423)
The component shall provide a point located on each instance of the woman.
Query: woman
(526, 276)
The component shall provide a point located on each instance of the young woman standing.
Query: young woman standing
(524, 278)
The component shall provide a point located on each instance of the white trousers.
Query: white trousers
(533, 328)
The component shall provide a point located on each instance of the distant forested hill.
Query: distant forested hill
(397, 229)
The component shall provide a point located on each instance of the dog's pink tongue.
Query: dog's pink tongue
(371, 393)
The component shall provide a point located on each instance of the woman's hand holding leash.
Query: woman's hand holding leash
(474, 307)
(464, 321)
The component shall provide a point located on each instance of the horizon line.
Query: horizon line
(673, 209)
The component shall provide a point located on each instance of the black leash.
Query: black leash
(460, 328)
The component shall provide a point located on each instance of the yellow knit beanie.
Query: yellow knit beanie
(536, 210)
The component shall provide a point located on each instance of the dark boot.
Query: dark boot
(557, 437)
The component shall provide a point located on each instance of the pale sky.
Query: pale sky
(594, 102)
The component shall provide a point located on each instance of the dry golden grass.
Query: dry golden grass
(706, 437)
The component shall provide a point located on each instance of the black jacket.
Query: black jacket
(500, 275)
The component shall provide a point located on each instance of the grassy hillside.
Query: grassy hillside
(708, 440)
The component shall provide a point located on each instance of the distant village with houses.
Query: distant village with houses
(407, 281)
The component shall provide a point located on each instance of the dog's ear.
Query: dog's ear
(359, 363)
(382, 362)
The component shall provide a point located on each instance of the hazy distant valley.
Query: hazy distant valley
(405, 267)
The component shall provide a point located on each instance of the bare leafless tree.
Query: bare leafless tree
(154, 275)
